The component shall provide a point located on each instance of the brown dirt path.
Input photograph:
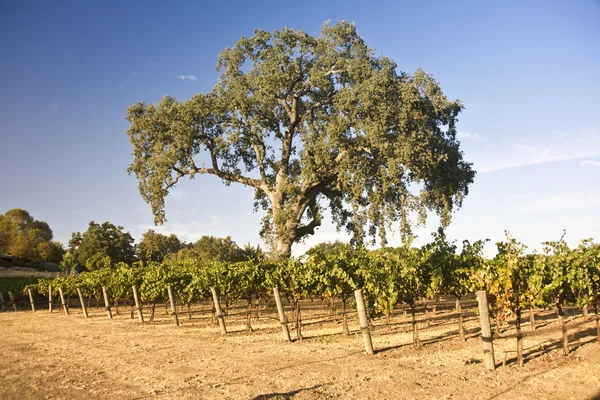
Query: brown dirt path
(57, 356)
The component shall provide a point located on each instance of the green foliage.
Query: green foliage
(586, 282)
(17, 284)
(558, 271)
(514, 272)
(336, 267)
(24, 237)
(309, 122)
(211, 248)
(101, 246)
(155, 246)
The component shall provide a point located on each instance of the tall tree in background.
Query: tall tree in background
(309, 122)
(102, 245)
(212, 248)
(23, 236)
(156, 246)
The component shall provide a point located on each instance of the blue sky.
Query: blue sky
(528, 74)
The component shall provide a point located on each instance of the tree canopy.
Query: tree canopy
(102, 245)
(212, 248)
(24, 237)
(156, 246)
(310, 122)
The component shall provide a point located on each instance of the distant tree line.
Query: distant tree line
(106, 245)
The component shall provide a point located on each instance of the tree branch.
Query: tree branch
(308, 229)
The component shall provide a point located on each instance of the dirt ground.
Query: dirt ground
(56, 356)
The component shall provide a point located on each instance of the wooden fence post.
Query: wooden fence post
(282, 317)
(2, 302)
(173, 309)
(83, 308)
(31, 300)
(138, 304)
(218, 311)
(486, 331)
(62, 300)
(50, 298)
(106, 303)
(364, 322)
(12, 300)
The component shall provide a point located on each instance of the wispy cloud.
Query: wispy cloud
(471, 136)
(118, 88)
(554, 202)
(535, 149)
(178, 194)
(187, 77)
(590, 162)
(152, 62)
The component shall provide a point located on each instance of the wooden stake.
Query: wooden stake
(218, 311)
(31, 300)
(282, 317)
(364, 321)
(2, 302)
(12, 300)
(173, 309)
(138, 304)
(486, 331)
(62, 300)
(106, 303)
(531, 319)
(50, 298)
(83, 308)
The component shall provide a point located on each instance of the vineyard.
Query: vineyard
(407, 278)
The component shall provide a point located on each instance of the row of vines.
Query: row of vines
(515, 281)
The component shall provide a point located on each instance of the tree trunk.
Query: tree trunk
(498, 321)
(249, 315)
(519, 337)
(427, 314)
(561, 319)
(298, 320)
(531, 319)
(416, 340)
(282, 248)
(152, 312)
(387, 319)
(585, 312)
(344, 317)
(461, 330)
(597, 321)
(189, 311)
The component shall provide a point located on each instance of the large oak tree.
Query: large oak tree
(309, 122)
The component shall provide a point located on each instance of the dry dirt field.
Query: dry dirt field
(56, 356)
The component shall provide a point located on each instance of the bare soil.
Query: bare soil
(56, 356)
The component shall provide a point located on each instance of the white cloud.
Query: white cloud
(590, 162)
(187, 77)
(534, 149)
